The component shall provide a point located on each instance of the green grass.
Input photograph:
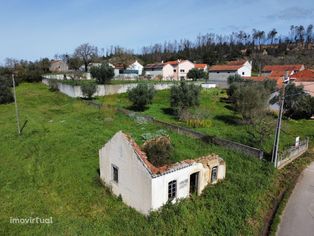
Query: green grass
(51, 170)
(224, 121)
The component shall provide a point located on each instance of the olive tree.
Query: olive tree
(141, 96)
(6, 95)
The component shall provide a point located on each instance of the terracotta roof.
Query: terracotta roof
(200, 66)
(304, 75)
(173, 62)
(279, 80)
(282, 67)
(236, 63)
(225, 67)
(154, 66)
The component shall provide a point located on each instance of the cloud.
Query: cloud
(294, 13)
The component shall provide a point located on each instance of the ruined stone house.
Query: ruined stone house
(125, 169)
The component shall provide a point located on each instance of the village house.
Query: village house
(221, 73)
(280, 70)
(125, 169)
(162, 70)
(305, 78)
(58, 66)
(133, 70)
(180, 68)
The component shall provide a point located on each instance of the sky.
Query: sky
(34, 29)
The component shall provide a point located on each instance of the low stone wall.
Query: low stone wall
(247, 150)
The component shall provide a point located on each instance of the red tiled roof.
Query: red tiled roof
(172, 62)
(236, 63)
(230, 66)
(282, 67)
(279, 80)
(200, 66)
(225, 67)
(304, 75)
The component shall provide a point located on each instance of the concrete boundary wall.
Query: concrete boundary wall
(104, 90)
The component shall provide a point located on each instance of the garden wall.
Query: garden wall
(103, 90)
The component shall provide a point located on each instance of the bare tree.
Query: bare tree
(271, 35)
(86, 53)
(309, 34)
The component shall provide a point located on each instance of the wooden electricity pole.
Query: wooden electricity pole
(16, 108)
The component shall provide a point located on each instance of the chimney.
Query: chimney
(162, 61)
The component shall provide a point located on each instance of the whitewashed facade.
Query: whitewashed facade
(124, 168)
(222, 72)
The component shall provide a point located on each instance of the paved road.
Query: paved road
(298, 216)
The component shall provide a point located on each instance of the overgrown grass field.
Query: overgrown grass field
(224, 121)
(51, 171)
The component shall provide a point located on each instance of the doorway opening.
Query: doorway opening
(194, 183)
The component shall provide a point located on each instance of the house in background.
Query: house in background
(58, 66)
(125, 169)
(220, 73)
(155, 70)
(280, 70)
(180, 68)
(131, 71)
(305, 78)
(203, 67)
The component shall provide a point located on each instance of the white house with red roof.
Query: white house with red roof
(180, 68)
(125, 169)
(220, 73)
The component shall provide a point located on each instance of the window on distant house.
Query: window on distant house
(181, 70)
(242, 73)
(115, 173)
(172, 189)
(174, 70)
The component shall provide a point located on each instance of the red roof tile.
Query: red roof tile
(282, 67)
(225, 67)
(200, 66)
(304, 75)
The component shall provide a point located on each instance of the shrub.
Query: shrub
(6, 95)
(235, 78)
(103, 74)
(196, 74)
(141, 96)
(250, 100)
(53, 85)
(158, 150)
(88, 89)
(184, 96)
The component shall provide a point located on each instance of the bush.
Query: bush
(6, 95)
(141, 96)
(196, 74)
(53, 85)
(184, 96)
(88, 89)
(234, 79)
(250, 100)
(158, 150)
(103, 74)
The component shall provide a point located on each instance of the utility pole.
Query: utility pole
(16, 108)
(278, 127)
